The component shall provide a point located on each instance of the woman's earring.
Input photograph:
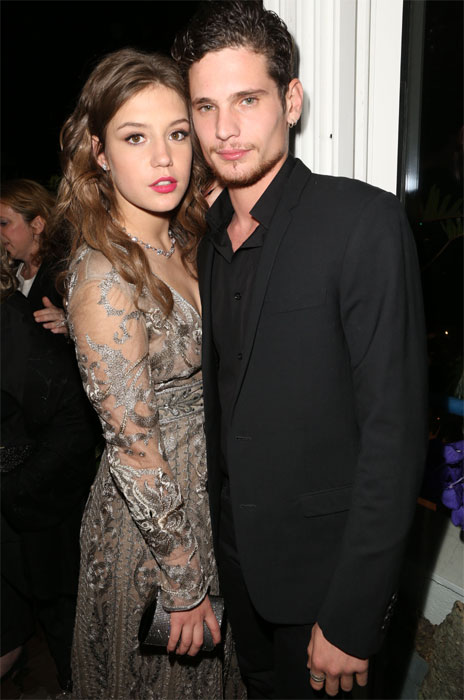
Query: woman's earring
(105, 167)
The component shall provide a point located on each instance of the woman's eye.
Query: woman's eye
(179, 135)
(135, 139)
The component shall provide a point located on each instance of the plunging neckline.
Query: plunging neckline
(174, 291)
(184, 299)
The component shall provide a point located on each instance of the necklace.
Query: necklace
(159, 251)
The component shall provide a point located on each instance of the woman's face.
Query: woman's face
(148, 153)
(17, 234)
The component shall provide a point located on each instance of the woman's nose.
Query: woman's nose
(161, 155)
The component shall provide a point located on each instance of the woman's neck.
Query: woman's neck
(29, 269)
(152, 230)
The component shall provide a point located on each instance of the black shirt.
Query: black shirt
(232, 283)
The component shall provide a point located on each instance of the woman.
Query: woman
(25, 210)
(134, 315)
(47, 467)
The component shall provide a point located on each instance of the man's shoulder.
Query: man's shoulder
(338, 185)
(340, 194)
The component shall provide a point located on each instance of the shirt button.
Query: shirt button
(239, 355)
(237, 296)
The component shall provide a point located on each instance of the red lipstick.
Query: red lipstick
(164, 185)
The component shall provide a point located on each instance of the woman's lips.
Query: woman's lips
(164, 185)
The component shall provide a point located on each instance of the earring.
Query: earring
(291, 124)
(105, 167)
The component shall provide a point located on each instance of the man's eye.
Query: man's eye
(179, 135)
(135, 139)
(249, 100)
(206, 108)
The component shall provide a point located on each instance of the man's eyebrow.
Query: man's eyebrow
(249, 93)
(235, 96)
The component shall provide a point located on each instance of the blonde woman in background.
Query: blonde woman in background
(25, 211)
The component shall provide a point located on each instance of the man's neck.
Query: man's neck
(243, 200)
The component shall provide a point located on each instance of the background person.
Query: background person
(25, 211)
(48, 442)
(314, 370)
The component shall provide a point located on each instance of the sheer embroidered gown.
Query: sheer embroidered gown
(147, 518)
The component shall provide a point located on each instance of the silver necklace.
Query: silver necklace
(159, 251)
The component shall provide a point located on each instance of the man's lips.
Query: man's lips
(232, 154)
(164, 185)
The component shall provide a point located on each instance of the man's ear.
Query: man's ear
(99, 153)
(37, 225)
(294, 100)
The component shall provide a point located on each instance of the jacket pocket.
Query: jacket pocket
(325, 502)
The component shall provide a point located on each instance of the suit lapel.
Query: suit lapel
(280, 223)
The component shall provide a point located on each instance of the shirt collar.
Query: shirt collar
(219, 215)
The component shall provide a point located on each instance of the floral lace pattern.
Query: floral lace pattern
(147, 519)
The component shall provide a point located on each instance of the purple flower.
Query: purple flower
(452, 480)
(452, 496)
(454, 452)
(457, 517)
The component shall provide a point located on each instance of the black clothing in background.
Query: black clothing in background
(48, 438)
(44, 286)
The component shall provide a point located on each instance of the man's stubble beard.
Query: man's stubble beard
(240, 181)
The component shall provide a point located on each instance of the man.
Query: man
(314, 368)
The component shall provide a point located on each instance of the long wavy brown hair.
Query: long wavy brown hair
(8, 279)
(86, 202)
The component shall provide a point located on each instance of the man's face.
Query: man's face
(238, 116)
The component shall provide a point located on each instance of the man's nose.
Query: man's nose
(227, 125)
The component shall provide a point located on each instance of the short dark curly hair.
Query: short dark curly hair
(225, 24)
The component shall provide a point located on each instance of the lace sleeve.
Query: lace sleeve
(112, 348)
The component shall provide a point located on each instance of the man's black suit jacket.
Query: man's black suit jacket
(327, 438)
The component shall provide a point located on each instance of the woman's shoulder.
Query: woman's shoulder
(89, 263)
(92, 267)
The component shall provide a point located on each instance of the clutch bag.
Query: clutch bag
(155, 624)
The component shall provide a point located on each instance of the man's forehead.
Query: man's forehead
(228, 72)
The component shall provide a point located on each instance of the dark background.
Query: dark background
(49, 48)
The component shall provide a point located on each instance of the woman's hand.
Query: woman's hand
(52, 317)
(187, 628)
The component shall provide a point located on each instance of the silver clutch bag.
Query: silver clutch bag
(155, 624)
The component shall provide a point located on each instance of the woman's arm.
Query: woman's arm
(112, 347)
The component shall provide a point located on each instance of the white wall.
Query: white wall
(350, 61)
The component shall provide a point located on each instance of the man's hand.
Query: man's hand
(52, 317)
(187, 628)
(328, 661)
